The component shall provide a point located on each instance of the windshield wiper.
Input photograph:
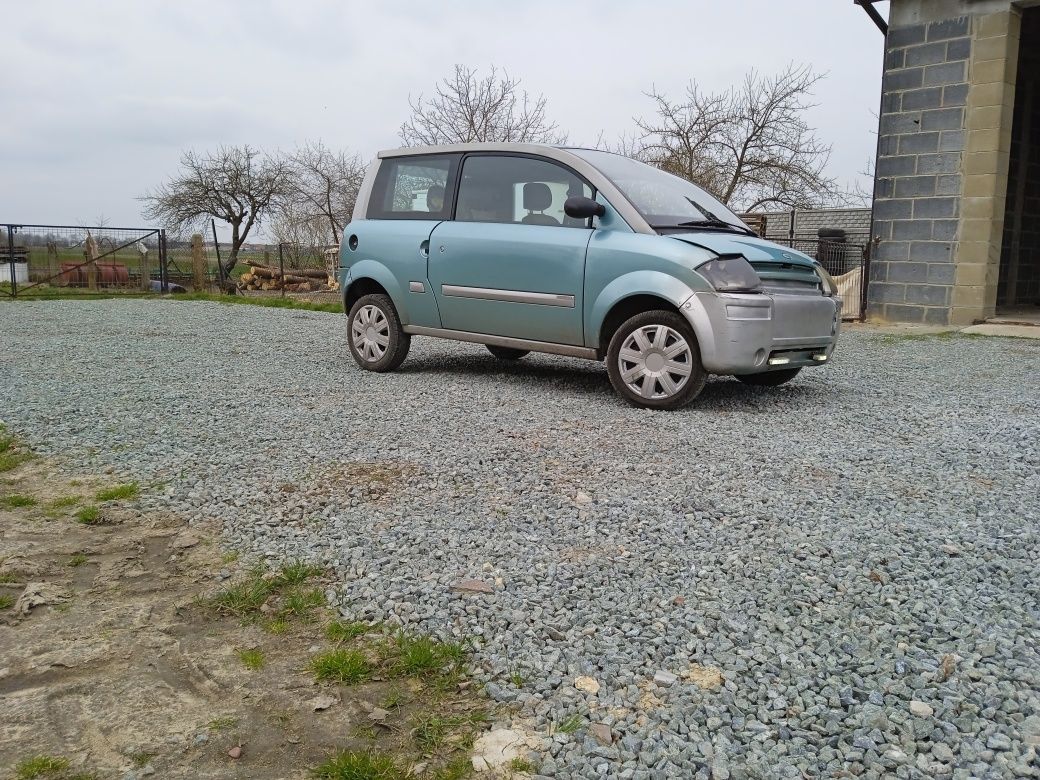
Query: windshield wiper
(708, 223)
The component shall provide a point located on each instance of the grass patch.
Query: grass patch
(269, 302)
(245, 598)
(301, 602)
(432, 732)
(229, 557)
(12, 452)
(252, 659)
(569, 726)
(360, 765)
(223, 723)
(521, 765)
(7, 577)
(344, 666)
(6, 602)
(17, 501)
(90, 515)
(423, 655)
(41, 766)
(76, 560)
(128, 490)
(517, 679)
(277, 627)
(456, 769)
(338, 631)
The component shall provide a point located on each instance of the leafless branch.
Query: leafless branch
(466, 108)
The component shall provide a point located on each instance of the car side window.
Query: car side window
(413, 188)
(517, 190)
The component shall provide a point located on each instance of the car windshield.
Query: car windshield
(662, 199)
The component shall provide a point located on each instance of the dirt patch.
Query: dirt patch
(119, 653)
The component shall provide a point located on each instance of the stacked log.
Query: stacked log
(262, 277)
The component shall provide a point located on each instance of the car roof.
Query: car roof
(499, 146)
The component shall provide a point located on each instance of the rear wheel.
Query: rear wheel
(377, 341)
(507, 353)
(653, 361)
(769, 378)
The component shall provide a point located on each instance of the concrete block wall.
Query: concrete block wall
(919, 170)
(943, 149)
(854, 221)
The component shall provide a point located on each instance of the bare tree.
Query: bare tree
(236, 185)
(466, 107)
(322, 187)
(750, 146)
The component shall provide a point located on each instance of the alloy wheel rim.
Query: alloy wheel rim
(370, 333)
(655, 362)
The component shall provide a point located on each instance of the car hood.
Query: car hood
(752, 248)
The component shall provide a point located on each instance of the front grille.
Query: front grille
(786, 276)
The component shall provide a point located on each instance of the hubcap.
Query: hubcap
(370, 333)
(655, 361)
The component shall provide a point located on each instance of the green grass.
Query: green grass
(222, 723)
(17, 501)
(360, 765)
(8, 576)
(431, 732)
(298, 572)
(12, 452)
(338, 631)
(78, 559)
(129, 490)
(273, 302)
(301, 602)
(6, 602)
(517, 679)
(90, 515)
(252, 659)
(423, 655)
(345, 666)
(245, 597)
(571, 725)
(458, 768)
(521, 765)
(277, 626)
(41, 766)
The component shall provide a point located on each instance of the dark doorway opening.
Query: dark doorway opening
(1019, 282)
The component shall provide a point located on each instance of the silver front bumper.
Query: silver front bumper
(749, 333)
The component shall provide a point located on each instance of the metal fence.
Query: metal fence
(91, 260)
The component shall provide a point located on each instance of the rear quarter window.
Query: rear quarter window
(413, 188)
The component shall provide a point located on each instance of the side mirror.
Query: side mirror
(580, 207)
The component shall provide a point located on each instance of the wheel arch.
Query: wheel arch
(629, 295)
(369, 277)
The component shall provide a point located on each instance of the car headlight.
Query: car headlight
(827, 283)
(730, 273)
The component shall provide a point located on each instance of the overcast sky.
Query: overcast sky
(100, 98)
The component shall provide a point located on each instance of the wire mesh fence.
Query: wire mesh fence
(35, 259)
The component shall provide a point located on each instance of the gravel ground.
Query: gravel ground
(834, 577)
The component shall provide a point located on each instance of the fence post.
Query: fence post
(198, 262)
(90, 253)
(164, 271)
(791, 229)
(281, 270)
(220, 265)
(10, 261)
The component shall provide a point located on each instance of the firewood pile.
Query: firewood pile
(262, 277)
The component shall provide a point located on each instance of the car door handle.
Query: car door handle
(424, 249)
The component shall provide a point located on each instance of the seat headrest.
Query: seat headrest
(537, 196)
(435, 198)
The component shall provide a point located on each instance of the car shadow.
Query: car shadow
(586, 377)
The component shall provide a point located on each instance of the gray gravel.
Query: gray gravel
(855, 553)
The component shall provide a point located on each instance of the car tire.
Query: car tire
(374, 334)
(639, 365)
(769, 378)
(507, 353)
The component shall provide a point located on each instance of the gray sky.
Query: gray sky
(101, 97)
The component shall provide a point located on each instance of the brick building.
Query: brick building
(957, 187)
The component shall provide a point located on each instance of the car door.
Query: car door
(411, 195)
(511, 263)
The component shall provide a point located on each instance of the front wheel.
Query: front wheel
(377, 340)
(654, 362)
(507, 353)
(769, 378)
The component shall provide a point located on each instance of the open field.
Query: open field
(833, 578)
